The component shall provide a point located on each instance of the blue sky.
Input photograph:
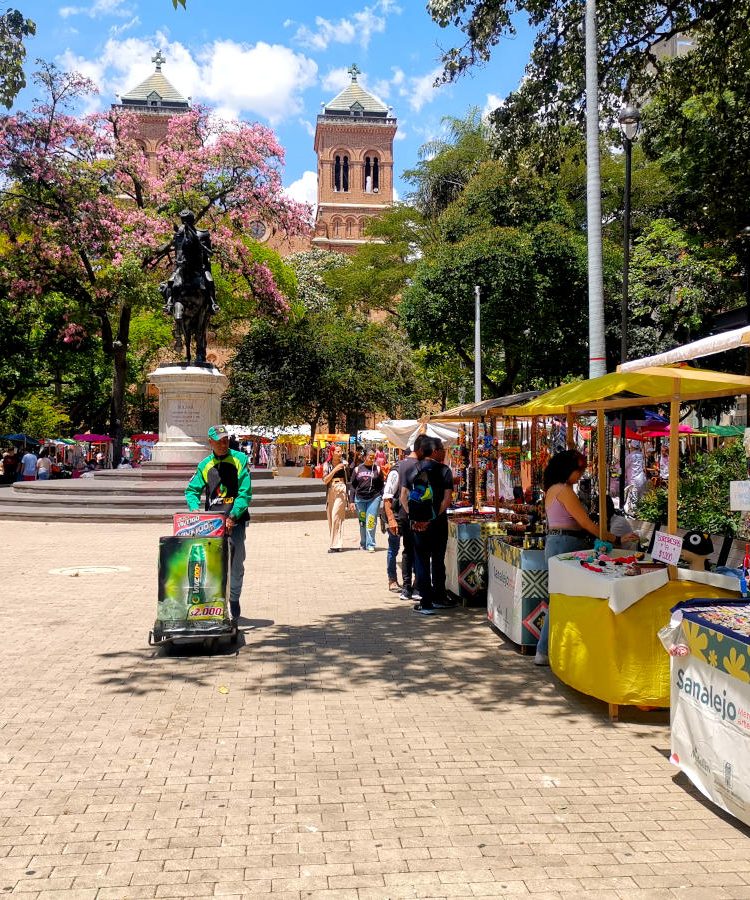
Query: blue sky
(276, 63)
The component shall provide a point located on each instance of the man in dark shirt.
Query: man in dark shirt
(430, 535)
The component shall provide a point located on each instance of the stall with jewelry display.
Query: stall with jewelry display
(599, 644)
(489, 495)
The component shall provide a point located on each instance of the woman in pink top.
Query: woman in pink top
(569, 525)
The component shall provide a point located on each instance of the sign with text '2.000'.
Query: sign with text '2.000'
(667, 548)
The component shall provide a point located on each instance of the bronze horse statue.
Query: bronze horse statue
(190, 294)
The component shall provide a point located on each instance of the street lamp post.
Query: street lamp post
(630, 124)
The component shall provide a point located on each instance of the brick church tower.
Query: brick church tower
(354, 146)
(155, 100)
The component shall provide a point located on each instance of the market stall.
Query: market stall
(613, 654)
(489, 498)
(517, 589)
(710, 700)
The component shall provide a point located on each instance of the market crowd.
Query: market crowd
(408, 501)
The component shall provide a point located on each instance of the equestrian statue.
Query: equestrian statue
(190, 293)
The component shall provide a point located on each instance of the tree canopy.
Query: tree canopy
(84, 211)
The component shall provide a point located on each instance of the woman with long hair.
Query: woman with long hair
(569, 526)
(365, 491)
(336, 481)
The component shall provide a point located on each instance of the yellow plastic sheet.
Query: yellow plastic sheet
(655, 382)
(617, 658)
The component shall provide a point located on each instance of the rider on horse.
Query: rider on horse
(192, 265)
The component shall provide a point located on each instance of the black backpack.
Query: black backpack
(422, 497)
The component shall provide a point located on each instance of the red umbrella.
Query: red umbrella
(629, 433)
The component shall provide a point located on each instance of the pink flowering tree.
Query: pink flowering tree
(86, 212)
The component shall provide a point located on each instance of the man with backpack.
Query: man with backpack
(397, 522)
(427, 492)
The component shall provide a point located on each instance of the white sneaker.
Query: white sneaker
(541, 659)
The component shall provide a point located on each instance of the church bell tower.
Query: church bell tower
(354, 147)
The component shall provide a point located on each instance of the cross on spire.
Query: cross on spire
(159, 59)
(354, 70)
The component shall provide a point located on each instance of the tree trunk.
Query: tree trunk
(119, 383)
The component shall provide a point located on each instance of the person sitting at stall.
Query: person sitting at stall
(569, 526)
(664, 461)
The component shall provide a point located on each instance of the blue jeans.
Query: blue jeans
(554, 545)
(236, 566)
(367, 513)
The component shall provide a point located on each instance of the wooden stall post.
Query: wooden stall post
(601, 458)
(496, 451)
(571, 421)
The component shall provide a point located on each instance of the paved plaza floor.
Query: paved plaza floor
(346, 749)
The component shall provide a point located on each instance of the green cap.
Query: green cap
(217, 432)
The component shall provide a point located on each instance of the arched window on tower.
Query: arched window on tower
(336, 227)
(372, 175)
(362, 226)
(345, 174)
(337, 174)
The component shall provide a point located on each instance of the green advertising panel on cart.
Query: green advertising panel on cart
(192, 580)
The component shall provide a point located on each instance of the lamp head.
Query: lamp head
(630, 121)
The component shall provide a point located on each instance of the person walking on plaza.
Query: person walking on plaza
(10, 466)
(365, 492)
(28, 466)
(43, 465)
(569, 526)
(398, 530)
(427, 493)
(336, 481)
(225, 477)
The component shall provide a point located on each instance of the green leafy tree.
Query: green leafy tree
(676, 285)
(311, 269)
(14, 28)
(703, 500)
(303, 369)
(629, 35)
(37, 414)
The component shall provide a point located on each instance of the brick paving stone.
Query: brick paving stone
(346, 749)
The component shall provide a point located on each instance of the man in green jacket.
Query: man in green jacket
(225, 477)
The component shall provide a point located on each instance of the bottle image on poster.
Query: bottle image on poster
(192, 580)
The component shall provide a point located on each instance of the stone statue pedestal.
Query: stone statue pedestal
(189, 403)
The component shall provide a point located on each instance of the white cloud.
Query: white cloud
(493, 102)
(117, 30)
(96, 9)
(396, 196)
(358, 28)
(420, 90)
(265, 80)
(336, 80)
(401, 134)
(304, 189)
(308, 126)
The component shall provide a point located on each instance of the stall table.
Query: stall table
(517, 591)
(466, 558)
(603, 630)
(710, 715)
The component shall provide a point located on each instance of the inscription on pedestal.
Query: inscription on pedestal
(184, 414)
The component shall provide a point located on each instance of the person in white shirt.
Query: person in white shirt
(28, 466)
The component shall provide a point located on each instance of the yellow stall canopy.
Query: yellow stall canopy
(648, 386)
